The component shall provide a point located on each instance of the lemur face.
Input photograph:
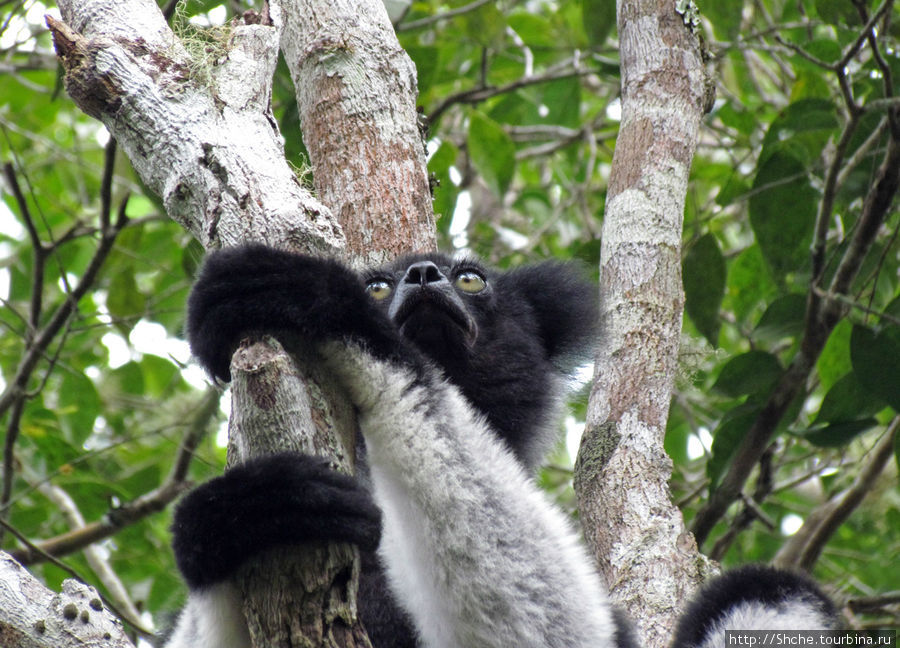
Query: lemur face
(436, 302)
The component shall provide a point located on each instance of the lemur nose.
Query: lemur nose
(423, 273)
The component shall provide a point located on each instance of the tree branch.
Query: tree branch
(37, 277)
(438, 17)
(97, 562)
(45, 336)
(821, 318)
(140, 507)
(477, 95)
(126, 67)
(803, 549)
(873, 603)
(38, 341)
(647, 558)
(364, 141)
(33, 616)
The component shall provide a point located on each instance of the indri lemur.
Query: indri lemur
(456, 372)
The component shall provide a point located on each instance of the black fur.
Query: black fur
(624, 630)
(256, 289)
(531, 322)
(387, 625)
(500, 346)
(750, 583)
(279, 499)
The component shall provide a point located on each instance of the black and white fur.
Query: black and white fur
(753, 597)
(455, 371)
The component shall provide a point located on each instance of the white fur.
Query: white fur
(473, 548)
(753, 615)
(212, 618)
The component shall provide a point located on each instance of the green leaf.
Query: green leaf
(725, 16)
(749, 283)
(802, 129)
(127, 379)
(486, 25)
(124, 301)
(876, 357)
(563, 101)
(445, 192)
(732, 190)
(837, 435)
(704, 286)
(736, 116)
(824, 49)
(847, 401)
(160, 375)
(492, 152)
(834, 361)
(837, 12)
(79, 406)
(727, 438)
(809, 84)
(897, 449)
(535, 29)
(749, 373)
(782, 319)
(40, 428)
(783, 213)
(599, 18)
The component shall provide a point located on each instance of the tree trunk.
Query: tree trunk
(291, 597)
(356, 90)
(648, 558)
(202, 135)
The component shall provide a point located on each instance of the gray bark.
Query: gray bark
(31, 616)
(356, 92)
(648, 558)
(200, 134)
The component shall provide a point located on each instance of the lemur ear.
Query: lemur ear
(565, 305)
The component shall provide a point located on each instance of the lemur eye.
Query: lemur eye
(471, 282)
(378, 289)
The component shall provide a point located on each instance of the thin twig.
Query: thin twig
(109, 167)
(46, 335)
(137, 509)
(477, 95)
(852, 303)
(826, 206)
(873, 603)
(436, 18)
(806, 545)
(863, 150)
(37, 276)
(821, 318)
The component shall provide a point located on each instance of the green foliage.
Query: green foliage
(783, 212)
(776, 124)
(704, 285)
(750, 373)
(492, 152)
(599, 18)
(875, 356)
